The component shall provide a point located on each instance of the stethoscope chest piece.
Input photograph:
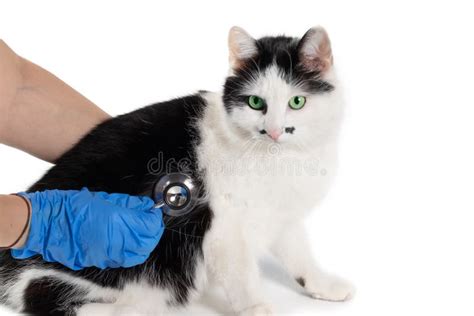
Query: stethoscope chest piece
(175, 193)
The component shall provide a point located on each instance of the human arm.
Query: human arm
(36, 107)
(14, 220)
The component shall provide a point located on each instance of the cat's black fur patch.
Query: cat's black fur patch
(114, 157)
(50, 296)
(282, 51)
(290, 130)
(301, 281)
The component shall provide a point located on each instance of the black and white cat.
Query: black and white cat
(263, 153)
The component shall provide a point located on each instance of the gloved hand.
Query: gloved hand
(83, 229)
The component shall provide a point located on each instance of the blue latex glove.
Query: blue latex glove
(82, 229)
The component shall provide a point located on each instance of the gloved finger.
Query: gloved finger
(140, 234)
(117, 199)
(139, 203)
(127, 201)
(146, 223)
(113, 198)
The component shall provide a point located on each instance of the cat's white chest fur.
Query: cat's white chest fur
(264, 199)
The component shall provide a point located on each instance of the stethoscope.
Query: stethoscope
(175, 194)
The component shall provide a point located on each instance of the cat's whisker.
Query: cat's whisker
(248, 145)
(254, 147)
(303, 146)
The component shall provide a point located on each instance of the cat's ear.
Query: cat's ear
(315, 50)
(242, 46)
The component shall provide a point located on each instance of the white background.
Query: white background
(399, 220)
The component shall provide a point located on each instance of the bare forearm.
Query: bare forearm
(13, 218)
(41, 114)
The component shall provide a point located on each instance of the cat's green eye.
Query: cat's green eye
(256, 103)
(297, 102)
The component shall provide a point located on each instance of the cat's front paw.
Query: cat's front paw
(329, 288)
(257, 310)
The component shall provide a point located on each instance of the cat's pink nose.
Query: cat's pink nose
(275, 134)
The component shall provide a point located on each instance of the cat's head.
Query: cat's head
(282, 89)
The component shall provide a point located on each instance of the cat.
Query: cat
(263, 153)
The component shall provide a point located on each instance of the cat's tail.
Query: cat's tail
(50, 292)
(41, 291)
